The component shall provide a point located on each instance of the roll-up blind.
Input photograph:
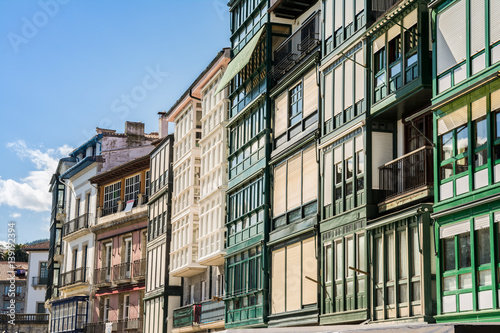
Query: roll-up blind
(327, 178)
(360, 6)
(281, 114)
(338, 155)
(378, 44)
(360, 76)
(497, 217)
(310, 93)
(481, 222)
(279, 190)
(393, 32)
(477, 26)
(348, 149)
(309, 175)
(328, 95)
(495, 100)
(294, 182)
(278, 281)
(494, 21)
(451, 36)
(162, 161)
(339, 12)
(358, 141)
(478, 108)
(328, 18)
(293, 276)
(452, 120)
(309, 267)
(339, 87)
(348, 88)
(349, 12)
(411, 19)
(454, 229)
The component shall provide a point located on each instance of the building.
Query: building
(18, 273)
(38, 255)
(466, 132)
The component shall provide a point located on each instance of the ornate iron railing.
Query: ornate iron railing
(74, 276)
(81, 222)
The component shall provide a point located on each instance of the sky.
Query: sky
(69, 66)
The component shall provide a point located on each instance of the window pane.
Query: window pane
(449, 253)
(390, 257)
(360, 159)
(446, 146)
(403, 254)
(462, 165)
(462, 139)
(464, 248)
(360, 252)
(481, 131)
(338, 260)
(349, 168)
(483, 245)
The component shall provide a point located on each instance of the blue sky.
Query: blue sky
(69, 66)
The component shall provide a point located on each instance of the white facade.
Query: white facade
(186, 192)
(213, 180)
(37, 281)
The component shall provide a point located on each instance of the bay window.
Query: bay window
(342, 19)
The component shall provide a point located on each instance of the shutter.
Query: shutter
(495, 100)
(360, 6)
(494, 21)
(328, 18)
(360, 76)
(358, 141)
(309, 268)
(338, 155)
(478, 108)
(339, 11)
(411, 19)
(481, 222)
(477, 26)
(294, 182)
(281, 114)
(451, 36)
(454, 229)
(310, 175)
(327, 178)
(378, 44)
(293, 277)
(348, 149)
(349, 12)
(328, 96)
(310, 93)
(452, 120)
(339, 86)
(393, 32)
(348, 88)
(278, 281)
(279, 190)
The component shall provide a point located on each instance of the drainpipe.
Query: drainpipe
(191, 95)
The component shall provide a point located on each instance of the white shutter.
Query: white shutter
(327, 178)
(280, 114)
(349, 12)
(481, 222)
(348, 149)
(339, 86)
(279, 190)
(294, 182)
(495, 100)
(358, 141)
(454, 229)
(309, 267)
(494, 21)
(360, 6)
(348, 88)
(452, 120)
(378, 44)
(477, 25)
(451, 36)
(278, 281)
(328, 96)
(293, 276)
(360, 76)
(310, 93)
(393, 32)
(309, 175)
(339, 12)
(328, 18)
(478, 108)
(411, 19)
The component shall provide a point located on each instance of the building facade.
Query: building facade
(38, 255)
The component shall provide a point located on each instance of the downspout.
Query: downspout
(191, 95)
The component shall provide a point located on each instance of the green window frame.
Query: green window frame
(247, 17)
(246, 212)
(344, 17)
(343, 187)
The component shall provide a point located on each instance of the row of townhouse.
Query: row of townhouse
(339, 164)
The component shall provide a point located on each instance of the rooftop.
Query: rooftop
(42, 246)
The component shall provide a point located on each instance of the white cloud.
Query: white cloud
(15, 215)
(31, 192)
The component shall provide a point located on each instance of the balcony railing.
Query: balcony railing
(380, 7)
(407, 173)
(81, 222)
(212, 311)
(187, 315)
(302, 42)
(139, 269)
(122, 271)
(27, 318)
(109, 210)
(74, 276)
(123, 325)
(102, 276)
(39, 281)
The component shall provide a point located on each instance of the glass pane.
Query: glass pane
(446, 146)
(465, 281)
(449, 253)
(415, 291)
(338, 173)
(483, 245)
(360, 252)
(403, 293)
(449, 283)
(462, 139)
(446, 171)
(462, 165)
(497, 124)
(390, 295)
(464, 249)
(360, 158)
(349, 168)
(481, 131)
(481, 158)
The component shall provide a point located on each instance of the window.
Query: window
(295, 104)
(343, 18)
(112, 194)
(127, 255)
(107, 263)
(126, 306)
(132, 188)
(105, 310)
(40, 307)
(43, 273)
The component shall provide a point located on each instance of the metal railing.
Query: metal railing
(212, 311)
(187, 315)
(102, 275)
(380, 7)
(74, 276)
(81, 222)
(109, 210)
(406, 173)
(39, 281)
(27, 318)
(124, 325)
(139, 269)
(302, 42)
(122, 271)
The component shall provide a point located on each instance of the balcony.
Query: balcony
(123, 325)
(296, 47)
(39, 281)
(27, 318)
(139, 269)
(380, 7)
(73, 277)
(102, 277)
(406, 179)
(105, 215)
(212, 311)
(122, 272)
(290, 9)
(77, 224)
(187, 316)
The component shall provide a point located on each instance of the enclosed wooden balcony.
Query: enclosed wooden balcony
(212, 314)
(188, 315)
